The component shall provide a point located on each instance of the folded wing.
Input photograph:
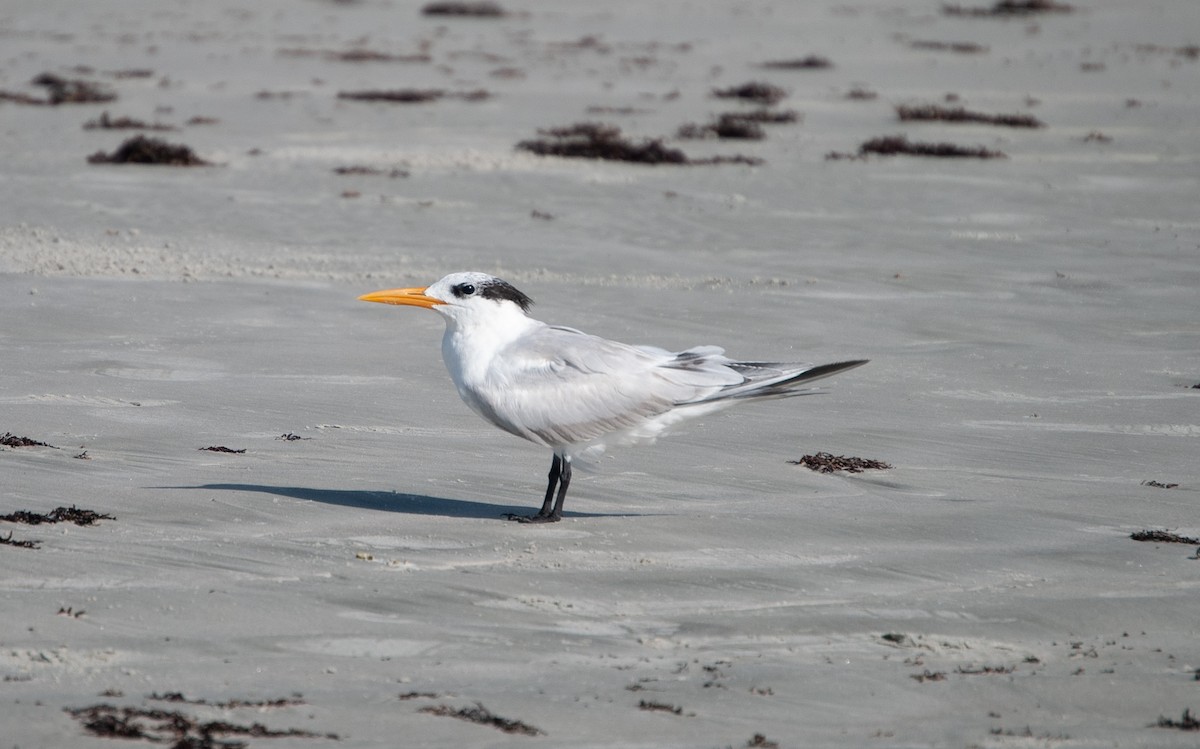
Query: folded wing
(560, 387)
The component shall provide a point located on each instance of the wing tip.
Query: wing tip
(818, 372)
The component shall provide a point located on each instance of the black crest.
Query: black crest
(503, 290)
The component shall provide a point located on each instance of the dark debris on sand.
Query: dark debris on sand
(105, 122)
(357, 54)
(962, 48)
(591, 140)
(180, 730)
(759, 93)
(738, 125)
(70, 514)
(1187, 723)
(937, 113)
(155, 151)
(459, 8)
(295, 699)
(11, 440)
(61, 90)
(222, 449)
(811, 62)
(659, 707)
(412, 95)
(19, 543)
(892, 145)
(481, 715)
(360, 170)
(1010, 8)
(1159, 484)
(828, 463)
(1163, 537)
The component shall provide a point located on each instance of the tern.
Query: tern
(577, 393)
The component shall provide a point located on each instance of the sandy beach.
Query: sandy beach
(338, 572)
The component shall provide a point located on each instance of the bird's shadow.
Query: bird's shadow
(412, 504)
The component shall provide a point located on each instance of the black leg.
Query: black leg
(564, 480)
(555, 475)
(551, 512)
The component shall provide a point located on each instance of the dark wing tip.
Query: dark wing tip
(823, 370)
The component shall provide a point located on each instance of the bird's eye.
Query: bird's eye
(464, 289)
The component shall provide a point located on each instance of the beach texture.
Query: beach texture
(298, 538)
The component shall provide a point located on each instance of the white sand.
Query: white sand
(1032, 324)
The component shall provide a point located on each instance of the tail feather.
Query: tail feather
(770, 380)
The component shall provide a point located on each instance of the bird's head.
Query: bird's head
(459, 296)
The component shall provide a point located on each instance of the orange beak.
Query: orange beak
(409, 297)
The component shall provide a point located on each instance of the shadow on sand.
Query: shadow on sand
(413, 504)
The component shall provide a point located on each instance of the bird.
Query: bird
(576, 393)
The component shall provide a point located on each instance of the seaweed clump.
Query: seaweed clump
(936, 113)
(828, 463)
(893, 145)
(468, 9)
(484, 717)
(412, 95)
(61, 90)
(738, 125)
(759, 93)
(591, 140)
(142, 150)
(1003, 8)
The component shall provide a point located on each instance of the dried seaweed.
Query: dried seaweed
(724, 127)
(1010, 8)
(412, 95)
(368, 171)
(811, 62)
(590, 140)
(1163, 537)
(962, 48)
(61, 90)
(473, 10)
(738, 125)
(222, 449)
(760, 93)
(1187, 723)
(1159, 484)
(178, 697)
(891, 145)
(659, 707)
(70, 514)
(142, 150)
(481, 715)
(354, 55)
(22, 543)
(985, 670)
(182, 731)
(11, 440)
(104, 122)
(828, 463)
(936, 113)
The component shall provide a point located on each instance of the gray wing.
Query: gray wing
(558, 386)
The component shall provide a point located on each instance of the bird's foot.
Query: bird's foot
(536, 519)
